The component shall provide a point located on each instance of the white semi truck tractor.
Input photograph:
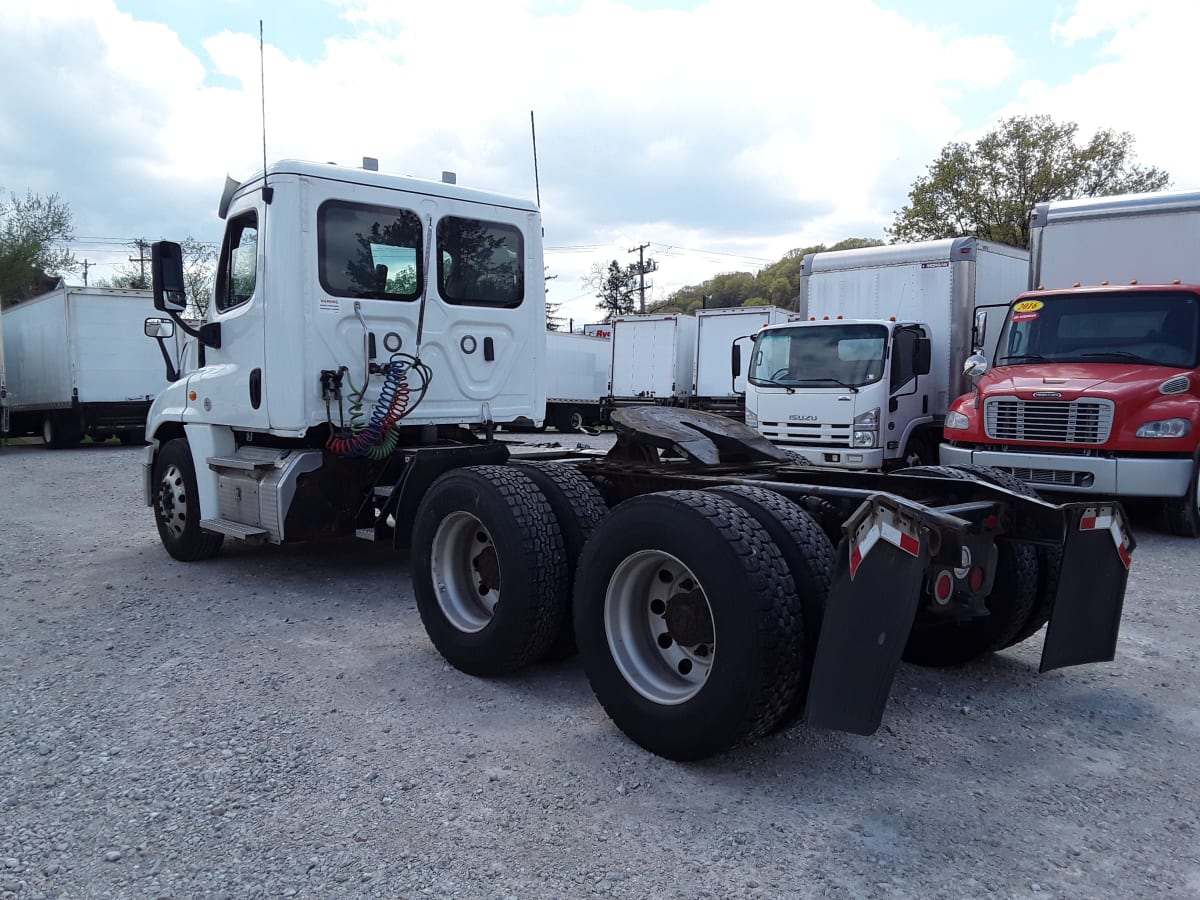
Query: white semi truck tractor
(366, 333)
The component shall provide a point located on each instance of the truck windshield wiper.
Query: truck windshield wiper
(1026, 357)
(825, 380)
(1115, 354)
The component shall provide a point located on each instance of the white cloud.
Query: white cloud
(741, 126)
(1142, 84)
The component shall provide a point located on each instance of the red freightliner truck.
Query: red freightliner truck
(1094, 386)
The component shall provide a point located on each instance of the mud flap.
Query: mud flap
(1086, 614)
(873, 600)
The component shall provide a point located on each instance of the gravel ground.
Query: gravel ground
(274, 722)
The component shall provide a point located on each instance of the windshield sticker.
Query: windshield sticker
(1028, 306)
(1024, 316)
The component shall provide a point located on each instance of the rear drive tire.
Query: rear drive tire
(808, 554)
(57, 433)
(578, 509)
(687, 623)
(177, 505)
(488, 569)
(1049, 559)
(940, 641)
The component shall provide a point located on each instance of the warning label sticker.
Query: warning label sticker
(1025, 316)
(330, 304)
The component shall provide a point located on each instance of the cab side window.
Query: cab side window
(369, 251)
(237, 274)
(482, 263)
(904, 346)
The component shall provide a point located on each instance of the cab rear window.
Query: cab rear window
(482, 263)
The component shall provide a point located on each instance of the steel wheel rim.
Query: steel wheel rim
(172, 501)
(576, 421)
(659, 626)
(465, 569)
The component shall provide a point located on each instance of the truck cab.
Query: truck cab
(349, 306)
(1091, 390)
(846, 393)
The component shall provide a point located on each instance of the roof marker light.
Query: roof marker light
(1134, 281)
(1076, 284)
(1176, 281)
(825, 318)
(1105, 281)
(839, 315)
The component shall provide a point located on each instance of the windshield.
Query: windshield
(1157, 328)
(819, 355)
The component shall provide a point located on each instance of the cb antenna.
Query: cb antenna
(267, 193)
(536, 185)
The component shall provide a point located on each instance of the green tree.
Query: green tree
(615, 287)
(199, 272)
(989, 188)
(32, 230)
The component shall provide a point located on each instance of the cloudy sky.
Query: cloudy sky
(722, 133)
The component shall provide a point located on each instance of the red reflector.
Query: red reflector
(976, 578)
(909, 544)
(943, 587)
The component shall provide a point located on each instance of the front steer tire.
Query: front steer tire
(687, 623)
(488, 569)
(177, 505)
(1181, 515)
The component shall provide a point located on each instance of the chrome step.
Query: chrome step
(250, 533)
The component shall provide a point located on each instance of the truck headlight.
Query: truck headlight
(751, 418)
(1165, 428)
(957, 420)
(866, 429)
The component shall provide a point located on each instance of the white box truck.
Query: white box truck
(1094, 386)
(577, 372)
(715, 386)
(652, 360)
(864, 381)
(78, 364)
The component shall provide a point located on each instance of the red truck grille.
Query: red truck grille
(1050, 421)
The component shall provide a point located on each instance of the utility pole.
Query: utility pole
(142, 245)
(642, 268)
(86, 265)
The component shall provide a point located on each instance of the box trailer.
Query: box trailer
(652, 359)
(79, 364)
(715, 386)
(864, 380)
(577, 372)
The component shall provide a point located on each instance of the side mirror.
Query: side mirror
(735, 361)
(166, 269)
(980, 332)
(975, 367)
(922, 356)
(160, 328)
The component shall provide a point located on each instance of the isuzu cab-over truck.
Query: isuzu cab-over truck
(863, 379)
(1093, 388)
(366, 333)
